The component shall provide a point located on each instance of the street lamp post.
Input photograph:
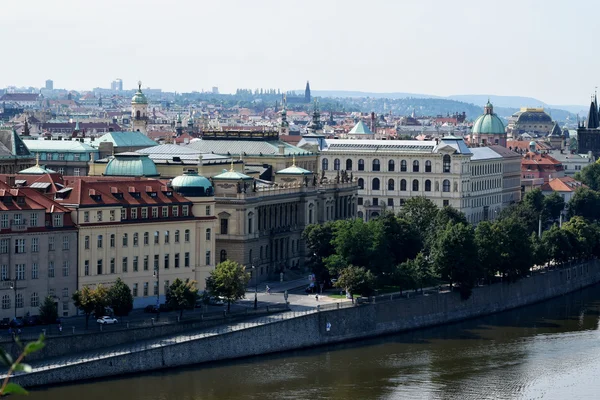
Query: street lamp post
(13, 285)
(254, 269)
(156, 274)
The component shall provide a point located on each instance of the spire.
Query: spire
(307, 97)
(592, 120)
(231, 169)
(293, 160)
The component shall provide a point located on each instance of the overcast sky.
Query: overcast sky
(548, 49)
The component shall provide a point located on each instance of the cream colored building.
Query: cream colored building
(142, 231)
(446, 171)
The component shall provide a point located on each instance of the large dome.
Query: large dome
(527, 117)
(488, 123)
(131, 164)
(192, 184)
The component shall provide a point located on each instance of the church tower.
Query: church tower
(307, 97)
(139, 111)
(284, 127)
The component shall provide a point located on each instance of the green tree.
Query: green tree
(558, 243)
(48, 311)
(553, 206)
(182, 295)
(318, 239)
(420, 213)
(539, 255)
(488, 250)
(394, 241)
(585, 203)
(590, 176)
(524, 214)
(101, 301)
(535, 200)
(405, 275)
(515, 248)
(353, 240)
(584, 236)
(228, 280)
(84, 300)
(454, 257)
(120, 298)
(356, 280)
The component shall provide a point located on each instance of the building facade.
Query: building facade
(67, 157)
(141, 231)
(38, 253)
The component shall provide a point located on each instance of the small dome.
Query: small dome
(193, 185)
(131, 164)
(532, 143)
(139, 97)
(488, 123)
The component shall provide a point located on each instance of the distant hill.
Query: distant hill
(349, 93)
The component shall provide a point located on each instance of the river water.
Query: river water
(549, 350)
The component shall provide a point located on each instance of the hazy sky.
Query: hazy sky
(549, 49)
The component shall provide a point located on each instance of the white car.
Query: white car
(107, 320)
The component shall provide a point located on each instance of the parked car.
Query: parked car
(151, 309)
(106, 320)
(216, 301)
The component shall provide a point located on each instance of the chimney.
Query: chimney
(200, 158)
(281, 148)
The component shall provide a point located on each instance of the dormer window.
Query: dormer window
(20, 199)
(57, 220)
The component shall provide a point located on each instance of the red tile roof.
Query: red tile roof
(564, 184)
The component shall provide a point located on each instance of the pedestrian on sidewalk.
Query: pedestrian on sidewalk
(268, 290)
(317, 297)
(60, 328)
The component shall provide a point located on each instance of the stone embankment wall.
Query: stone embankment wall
(364, 321)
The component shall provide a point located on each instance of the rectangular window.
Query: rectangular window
(134, 213)
(50, 269)
(136, 239)
(135, 263)
(51, 243)
(99, 241)
(165, 212)
(17, 219)
(112, 265)
(208, 231)
(146, 263)
(123, 214)
(375, 201)
(185, 211)
(35, 271)
(86, 216)
(86, 267)
(99, 216)
(155, 262)
(58, 220)
(156, 288)
(145, 288)
(19, 246)
(20, 272)
(66, 268)
(135, 290)
(359, 201)
(177, 236)
(166, 261)
(207, 210)
(4, 246)
(224, 226)
(144, 212)
(112, 241)
(33, 219)
(76, 171)
(175, 211)
(186, 260)
(35, 245)
(390, 202)
(4, 272)
(154, 212)
(124, 266)
(156, 237)
(176, 262)
(166, 237)
(446, 203)
(86, 242)
(208, 257)
(146, 238)
(4, 221)
(186, 236)
(66, 244)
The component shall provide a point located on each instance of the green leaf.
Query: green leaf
(13, 388)
(5, 358)
(23, 367)
(33, 347)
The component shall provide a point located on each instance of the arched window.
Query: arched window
(35, 300)
(374, 214)
(250, 218)
(403, 166)
(427, 166)
(415, 185)
(325, 164)
(359, 214)
(416, 166)
(136, 239)
(428, 185)
(391, 184)
(137, 114)
(375, 185)
(446, 185)
(403, 185)
(446, 163)
(348, 165)
(361, 165)
(125, 240)
(391, 166)
(223, 255)
(176, 236)
(336, 164)
(361, 183)
(376, 165)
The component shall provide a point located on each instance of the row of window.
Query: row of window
(20, 271)
(477, 170)
(143, 213)
(390, 203)
(146, 238)
(18, 220)
(376, 165)
(20, 245)
(145, 263)
(135, 289)
(34, 300)
(391, 185)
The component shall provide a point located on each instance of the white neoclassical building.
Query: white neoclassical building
(476, 181)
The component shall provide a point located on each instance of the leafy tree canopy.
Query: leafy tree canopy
(228, 280)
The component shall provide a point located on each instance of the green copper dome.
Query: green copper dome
(139, 97)
(488, 123)
(192, 184)
(131, 164)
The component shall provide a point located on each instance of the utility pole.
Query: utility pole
(157, 276)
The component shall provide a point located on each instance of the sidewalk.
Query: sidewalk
(280, 287)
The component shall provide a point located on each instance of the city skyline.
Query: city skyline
(429, 47)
